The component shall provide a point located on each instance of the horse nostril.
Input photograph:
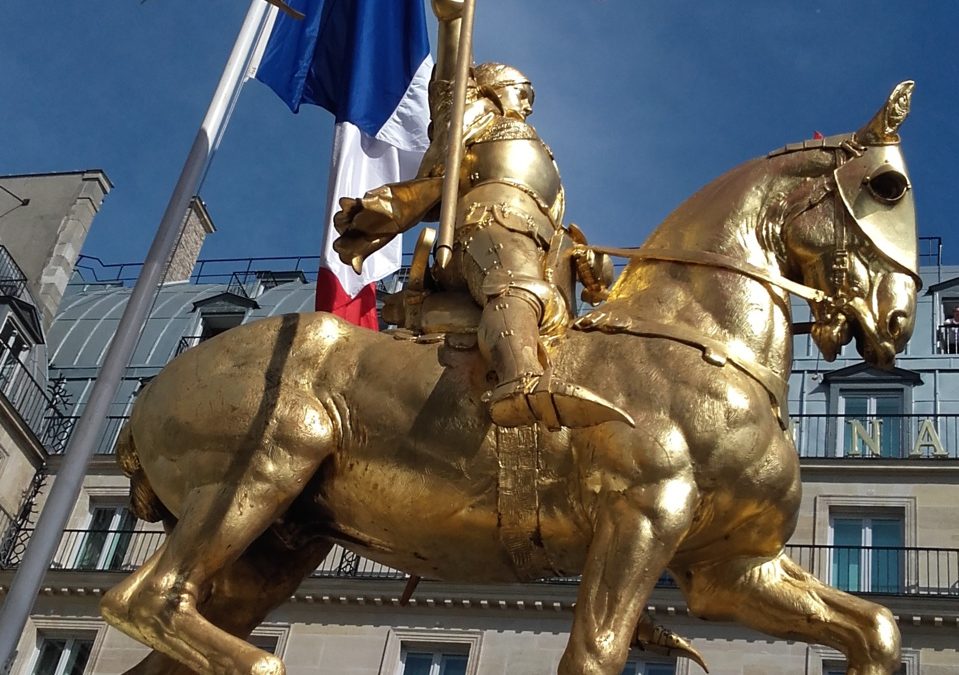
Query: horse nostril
(897, 324)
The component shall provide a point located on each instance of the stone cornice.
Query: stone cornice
(939, 470)
(918, 611)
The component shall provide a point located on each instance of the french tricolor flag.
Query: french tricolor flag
(367, 62)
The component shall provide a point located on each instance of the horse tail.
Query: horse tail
(144, 503)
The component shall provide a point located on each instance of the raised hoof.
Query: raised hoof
(658, 640)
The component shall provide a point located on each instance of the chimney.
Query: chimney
(196, 226)
(44, 220)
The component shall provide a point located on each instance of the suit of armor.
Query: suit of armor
(511, 202)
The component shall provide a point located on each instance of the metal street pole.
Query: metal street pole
(69, 480)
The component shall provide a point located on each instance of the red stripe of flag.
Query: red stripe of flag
(330, 297)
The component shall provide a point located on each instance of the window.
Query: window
(947, 334)
(267, 643)
(873, 423)
(105, 544)
(62, 656)
(634, 667)
(212, 324)
(12, 347)
(867, 554)
(837, 667)
(431, 652)
(442, 660)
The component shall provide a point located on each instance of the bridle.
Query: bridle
(714, 351)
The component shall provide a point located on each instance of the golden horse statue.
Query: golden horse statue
(263, 447)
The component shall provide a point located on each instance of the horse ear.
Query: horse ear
(883, 127)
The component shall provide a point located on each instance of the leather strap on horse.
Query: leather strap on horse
(517, 500)
(714, 351)
(707, 259)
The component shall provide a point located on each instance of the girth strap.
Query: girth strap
(517, 500)
(708, 259)
(714, 351)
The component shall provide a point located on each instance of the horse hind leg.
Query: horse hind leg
(159, 603)
(243, 593)
(778, 597)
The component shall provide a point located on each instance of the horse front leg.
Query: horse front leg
(776, 596)
(636, 534)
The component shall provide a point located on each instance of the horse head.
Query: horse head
(846, 223)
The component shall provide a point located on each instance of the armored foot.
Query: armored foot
(555, 403)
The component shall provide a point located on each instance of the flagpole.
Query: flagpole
(454, 157)
(66, 488)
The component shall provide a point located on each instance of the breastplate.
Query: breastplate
(524, 162)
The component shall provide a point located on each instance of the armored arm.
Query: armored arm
(594, 269)
(369, 223)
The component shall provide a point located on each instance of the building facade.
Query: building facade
(879, 454)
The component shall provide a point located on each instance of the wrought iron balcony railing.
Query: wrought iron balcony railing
(13, 282)
(883, 570)
(906, 572)
(816, 436)
(221, 270)
(106, 441)
(35, 406)
(877, 436)
(947, 338)
(186, 342)
(88, 550)
(8, 534)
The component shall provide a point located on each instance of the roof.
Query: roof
(88, 319)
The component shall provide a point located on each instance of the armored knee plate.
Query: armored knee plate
(552, 311)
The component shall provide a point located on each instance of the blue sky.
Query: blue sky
(642, 101)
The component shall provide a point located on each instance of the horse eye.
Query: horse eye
(889, 186)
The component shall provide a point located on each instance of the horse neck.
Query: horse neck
(749, 316)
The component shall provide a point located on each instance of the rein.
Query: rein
(707, 259)
(713, 351)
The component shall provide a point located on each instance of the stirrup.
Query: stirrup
(531, 399)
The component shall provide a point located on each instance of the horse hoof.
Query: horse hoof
(268, 665)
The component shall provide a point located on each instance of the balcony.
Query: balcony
(36, 408)
(13, 282)
(906, 572)
(901, 572)
(124, 550)
(91, 550)
(106, 440)
(914, 437)
(947, 338)
(186, 342)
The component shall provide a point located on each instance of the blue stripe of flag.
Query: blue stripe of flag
(356, 58)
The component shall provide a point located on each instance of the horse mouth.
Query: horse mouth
(831, 336)
(875, 351)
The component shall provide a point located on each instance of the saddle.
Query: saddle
(424, 311)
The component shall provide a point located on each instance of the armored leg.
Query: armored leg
(509, 340)
(504, 274)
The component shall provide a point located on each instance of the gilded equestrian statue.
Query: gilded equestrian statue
(263, 447)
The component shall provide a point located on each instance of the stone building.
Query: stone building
(879, 454)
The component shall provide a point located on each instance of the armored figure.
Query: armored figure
(510, 206)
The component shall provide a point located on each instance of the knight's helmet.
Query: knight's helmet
(498, 75)
(873, 182)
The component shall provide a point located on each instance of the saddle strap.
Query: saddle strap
(714, 351)
(517, 500)
(707, 259)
